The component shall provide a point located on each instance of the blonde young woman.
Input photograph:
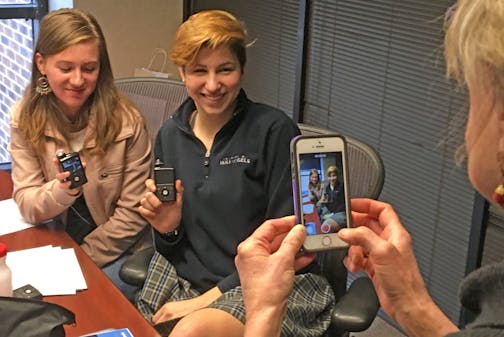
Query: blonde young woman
(72, 105)
(232, 157)
(381, 246)
(315, 186)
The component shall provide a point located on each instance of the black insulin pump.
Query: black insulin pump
(71, 162)
(164, 177)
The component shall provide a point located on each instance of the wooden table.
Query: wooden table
(102, 305)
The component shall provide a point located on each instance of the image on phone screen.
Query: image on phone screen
(323, 192)
(72, 164)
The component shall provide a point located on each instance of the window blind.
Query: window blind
(271, 59)
(375, 71)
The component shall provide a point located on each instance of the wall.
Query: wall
(133, 29)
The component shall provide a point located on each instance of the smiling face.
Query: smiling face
(72, 75)
(332, 177)
(213, 81)
(314, 178)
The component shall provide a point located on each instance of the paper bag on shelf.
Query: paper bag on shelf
(159, 53)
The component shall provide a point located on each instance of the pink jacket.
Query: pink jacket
(116, 183)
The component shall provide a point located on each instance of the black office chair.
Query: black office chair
(156, 98)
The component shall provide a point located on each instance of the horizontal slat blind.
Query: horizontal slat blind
(494, 247)
(271, 65)
(375, 71)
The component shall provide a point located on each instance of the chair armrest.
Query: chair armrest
(134, 269)
(356, 310)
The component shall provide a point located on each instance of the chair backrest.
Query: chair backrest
(6, 185)
(366, 177)
(156, 98)
(366, 172)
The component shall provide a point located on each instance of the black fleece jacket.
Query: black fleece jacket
(228, 194)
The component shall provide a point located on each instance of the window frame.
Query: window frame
(33, 11)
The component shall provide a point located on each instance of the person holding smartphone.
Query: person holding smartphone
(72, 108)
(379, 243)
(231, 160)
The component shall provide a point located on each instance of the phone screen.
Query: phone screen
(72, 164)
(323, 204)
(164, 176)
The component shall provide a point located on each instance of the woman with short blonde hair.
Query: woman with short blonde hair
(232, 157)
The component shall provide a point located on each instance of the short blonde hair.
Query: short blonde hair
(209, 28)
(332, 169)
(474, 44)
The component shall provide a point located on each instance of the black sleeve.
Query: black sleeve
(168, 247)
(278, 175)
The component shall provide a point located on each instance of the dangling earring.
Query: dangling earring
(43, 87)
(498, 194)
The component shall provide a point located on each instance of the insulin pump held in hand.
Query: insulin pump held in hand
(164, 178)
(71, 162)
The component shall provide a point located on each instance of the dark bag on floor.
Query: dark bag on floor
(22, 317)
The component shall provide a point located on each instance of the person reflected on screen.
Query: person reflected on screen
(379, 244)
(72, 105)
(315, 186)
(332, 203)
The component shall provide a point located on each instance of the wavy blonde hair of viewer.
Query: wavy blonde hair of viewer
(474, 44)
(209, 28)
(474, 50)
(59, 30)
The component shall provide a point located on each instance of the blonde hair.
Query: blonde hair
(312, 172)
(474, 50)
(474, 44)
(59, 30)
(209, 28)
(332, 169)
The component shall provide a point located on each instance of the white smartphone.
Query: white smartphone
(320, 189)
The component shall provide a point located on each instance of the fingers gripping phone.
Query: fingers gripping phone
(71, 162)
(320, 189)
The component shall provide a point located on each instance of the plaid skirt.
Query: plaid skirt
(308, 308)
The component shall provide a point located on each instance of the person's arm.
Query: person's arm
(267, 262)
(163, 216)
(37, 192)
(382, 247)
(177, 309)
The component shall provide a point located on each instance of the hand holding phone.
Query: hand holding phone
(320, 163)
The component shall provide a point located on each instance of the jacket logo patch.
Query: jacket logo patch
(243, 159)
